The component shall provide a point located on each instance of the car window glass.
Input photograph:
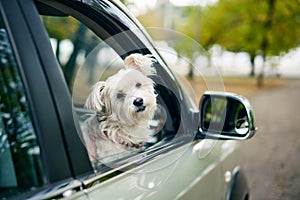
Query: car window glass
(78, 51)
(20, 159)
(86, 61)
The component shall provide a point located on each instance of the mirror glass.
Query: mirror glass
(224, 115)
(241, 126)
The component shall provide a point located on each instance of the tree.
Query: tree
(189, 46)
(77, 34)
(269, 26)
(53, 26)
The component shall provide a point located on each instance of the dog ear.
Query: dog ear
(142, 63)
(95, 100)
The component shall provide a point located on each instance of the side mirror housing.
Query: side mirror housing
(225, 116)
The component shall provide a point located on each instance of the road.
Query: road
(271, 160)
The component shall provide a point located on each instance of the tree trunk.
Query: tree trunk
(265, 43)
(260, 77)
(57, 51)
(69, 68)
(252, 73)
(191, 72)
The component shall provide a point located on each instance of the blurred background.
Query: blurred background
(243, 37)
(255, 47)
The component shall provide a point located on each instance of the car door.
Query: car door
(176, 167)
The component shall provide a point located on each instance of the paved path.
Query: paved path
(271, 160)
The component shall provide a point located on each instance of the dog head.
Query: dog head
(128, 96)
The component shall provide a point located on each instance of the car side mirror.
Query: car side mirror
(225, 116)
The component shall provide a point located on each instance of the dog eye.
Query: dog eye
(138, 85)
(121, 95)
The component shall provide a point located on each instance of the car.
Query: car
(52, 52)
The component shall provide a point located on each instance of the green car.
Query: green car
(51, 53)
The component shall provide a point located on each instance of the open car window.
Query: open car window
(87, 62)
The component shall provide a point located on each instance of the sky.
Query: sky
(138, 7)
(193, 2)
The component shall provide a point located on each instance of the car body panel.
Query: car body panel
(187, 170)
(183, 173)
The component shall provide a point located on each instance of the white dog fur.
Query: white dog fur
(124, 103)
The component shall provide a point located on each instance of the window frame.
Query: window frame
(47, 127)
(20, 157)
(76, 152)
(105, 30)
(94, 21)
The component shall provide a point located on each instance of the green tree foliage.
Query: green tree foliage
(54, 28)
(190, 27)
(270, 27)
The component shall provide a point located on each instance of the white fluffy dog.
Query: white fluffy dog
(124, 103)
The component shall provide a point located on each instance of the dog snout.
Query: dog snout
(138, 102)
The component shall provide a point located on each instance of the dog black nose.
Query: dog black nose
(138, 102)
